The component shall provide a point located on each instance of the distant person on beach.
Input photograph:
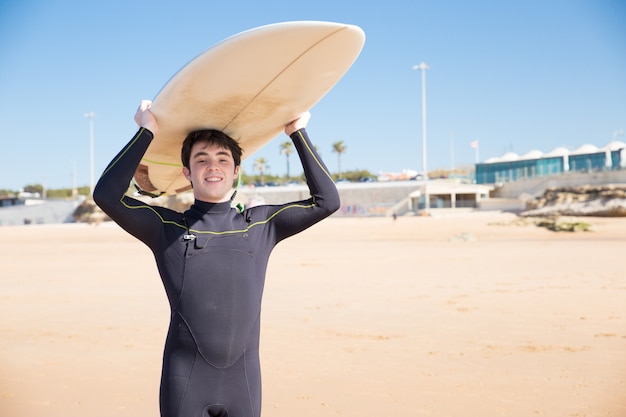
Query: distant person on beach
(212, 260)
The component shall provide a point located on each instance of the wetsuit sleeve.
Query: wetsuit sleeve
(324, 196)
(321, 185)
(134, 216)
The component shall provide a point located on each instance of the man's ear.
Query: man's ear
(187, 173)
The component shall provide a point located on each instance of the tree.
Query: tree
(339, 148)
(34, 188)
(261, 166)
(286, 148)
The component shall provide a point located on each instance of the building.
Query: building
(448, 195)
(587, 158)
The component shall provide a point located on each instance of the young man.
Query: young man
(212, 260)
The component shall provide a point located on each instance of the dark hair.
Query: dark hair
(212, 137)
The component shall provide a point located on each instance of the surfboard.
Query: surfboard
(249, 86)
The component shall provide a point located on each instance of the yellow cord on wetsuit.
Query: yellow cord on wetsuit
(239, 206)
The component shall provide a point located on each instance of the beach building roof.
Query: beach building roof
(559, 151)
(586, 148)
(614, 146)
(509, 156)
(534, 154)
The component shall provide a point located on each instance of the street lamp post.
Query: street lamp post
(91, 116)
(423, 67)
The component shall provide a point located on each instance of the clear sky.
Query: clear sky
(514, 75)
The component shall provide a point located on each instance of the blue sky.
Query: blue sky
(514, 75)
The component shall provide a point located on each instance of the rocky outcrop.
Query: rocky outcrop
(587, 200)
(89, 212)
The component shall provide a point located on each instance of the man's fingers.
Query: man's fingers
(145, 105)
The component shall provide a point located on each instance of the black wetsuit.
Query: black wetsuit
(212, 259)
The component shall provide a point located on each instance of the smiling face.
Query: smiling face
(211, 171)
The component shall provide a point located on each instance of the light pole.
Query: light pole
(91, 116)
(423, 67)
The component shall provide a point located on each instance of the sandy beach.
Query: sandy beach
(465, 315)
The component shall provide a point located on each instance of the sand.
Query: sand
(465, 315)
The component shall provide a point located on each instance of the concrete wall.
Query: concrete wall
(384, 198)
(536, 186)
(47, 212)
(357, 199)
(360, 199)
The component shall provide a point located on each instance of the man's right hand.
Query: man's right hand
(144, 117)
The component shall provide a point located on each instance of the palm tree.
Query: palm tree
(286, 148)
(261, 166)
(339, 148)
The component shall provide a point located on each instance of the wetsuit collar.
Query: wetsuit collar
(205, 207)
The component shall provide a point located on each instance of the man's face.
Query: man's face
(211, 172)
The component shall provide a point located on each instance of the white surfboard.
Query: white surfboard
(248, 86)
